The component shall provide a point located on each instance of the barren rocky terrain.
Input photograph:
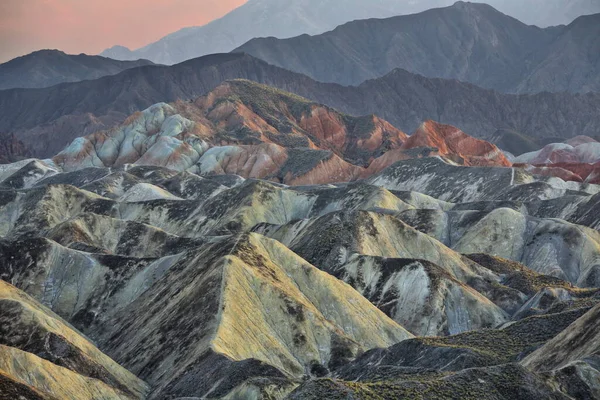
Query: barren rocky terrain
(228, 229)
(427, 279)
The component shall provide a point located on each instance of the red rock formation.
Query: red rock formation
(434, 139)
(551, 170)
(253, 113)
(272, 162)
(256, 131)
(580, 156)
(12, 149)
(457, 145)
(581, 169)
(574, 172)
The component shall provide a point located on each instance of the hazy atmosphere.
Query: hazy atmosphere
(91, 26)
(82, 26)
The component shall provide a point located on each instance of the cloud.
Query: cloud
(90, 26)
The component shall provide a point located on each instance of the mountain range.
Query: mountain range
(46, 120)
(257, 18)
(255, 131)
(50, 67)
(263, 18)
(470, 42)
(225, 228)
(467, 41)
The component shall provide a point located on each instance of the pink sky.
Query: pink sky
(90, 26)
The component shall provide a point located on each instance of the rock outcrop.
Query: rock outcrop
(239, 116)
(577, 159)
(580, 149)
(434, 139)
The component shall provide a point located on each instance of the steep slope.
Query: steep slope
(578, 156)
(578, 342)
(50, 67)
(50, 128)
(409, 289)
(466, 41)
(382, 257)
(550, 247)
(451, 141)
(459, 184)
(259, 132)
(110, 236)
(248, 284)
(454, 42)
(580, 149)
(446, 141)
(241, 128)
(545, 13)
(40, 350)
(46, 120)
(571, 63)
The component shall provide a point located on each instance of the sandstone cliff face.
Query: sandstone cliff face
(434, 139)
(454, 143)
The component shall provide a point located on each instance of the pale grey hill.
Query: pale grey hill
(467, 41)
(206, 305)
(50, 67)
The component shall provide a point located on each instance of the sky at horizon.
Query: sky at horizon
(90, 26)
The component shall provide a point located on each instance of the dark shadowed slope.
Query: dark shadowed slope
(572, 63)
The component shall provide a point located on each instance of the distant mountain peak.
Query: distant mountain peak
(48, 67)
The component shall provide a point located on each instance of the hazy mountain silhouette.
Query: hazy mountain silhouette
(49, 67)
(467, 41)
